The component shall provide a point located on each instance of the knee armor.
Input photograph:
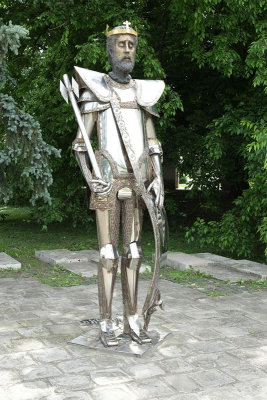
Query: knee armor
(109, 256)
(134, 255)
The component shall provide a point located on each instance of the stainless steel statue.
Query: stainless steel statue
(124, 175)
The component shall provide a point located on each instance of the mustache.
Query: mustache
(126, 58)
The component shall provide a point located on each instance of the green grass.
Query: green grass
(189, 277)
(20, 236)
(256, 285)
(186, 275)
(54, 275)
(15, 213)
(205, 283)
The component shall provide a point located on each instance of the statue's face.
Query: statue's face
(125, 48)
(123, 52)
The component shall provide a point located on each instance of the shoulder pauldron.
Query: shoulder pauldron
(98, 93)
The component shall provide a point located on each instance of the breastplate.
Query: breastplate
(110, 139)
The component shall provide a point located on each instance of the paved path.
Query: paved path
(217, 350)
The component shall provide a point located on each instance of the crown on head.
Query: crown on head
(119, 30)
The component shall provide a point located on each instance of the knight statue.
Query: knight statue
(124, 175)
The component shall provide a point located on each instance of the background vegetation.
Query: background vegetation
(211, 54)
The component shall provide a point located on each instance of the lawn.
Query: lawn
(21, 235)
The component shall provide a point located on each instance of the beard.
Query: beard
(121, 65)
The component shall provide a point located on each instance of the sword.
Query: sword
(69, 91)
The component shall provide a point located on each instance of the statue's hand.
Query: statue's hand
(100, 186)
(157, 187)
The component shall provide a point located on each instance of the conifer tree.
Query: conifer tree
(24, 156)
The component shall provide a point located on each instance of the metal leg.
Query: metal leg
(107, 269)
(131, 260)
(108, 222)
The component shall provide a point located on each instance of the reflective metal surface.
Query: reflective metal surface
(132, 276)
(107, 334)
(154, 147)
(111, 141)
(126, 345)
(134, 256)
(94, 81)
(125, 193)
(141, 337)
(118, 30)
(153, 298)
(128, 157)
(92, 106)
(102, 218)
(87, 96)
(108, 277)
(135, 323)
(109, 256)
(68, 91)
(147, 94)
(107, 325)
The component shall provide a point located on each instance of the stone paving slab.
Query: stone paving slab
(7, 262)
(60, 256)
(243, 266)
(219, 267)
(217, 349)
(83, 262)
(85, 269)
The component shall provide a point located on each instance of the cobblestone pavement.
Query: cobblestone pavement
(217, 348)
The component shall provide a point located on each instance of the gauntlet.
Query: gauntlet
(98, 186)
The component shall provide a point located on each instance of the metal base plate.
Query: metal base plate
(126, 345)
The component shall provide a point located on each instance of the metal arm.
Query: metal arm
(68, 91)
(155, 152)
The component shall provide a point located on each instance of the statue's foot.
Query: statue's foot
(133, 328)
(107, 335)
(141, 338)
(108, 339)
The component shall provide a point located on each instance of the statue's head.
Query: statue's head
(121, 48)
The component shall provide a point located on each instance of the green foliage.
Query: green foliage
(61, 35)
(59, 211)
(212, 55)
(227, 40)
(10, 37)
(24, 156)
(218, 32)
(171, 206)
(240, 228)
